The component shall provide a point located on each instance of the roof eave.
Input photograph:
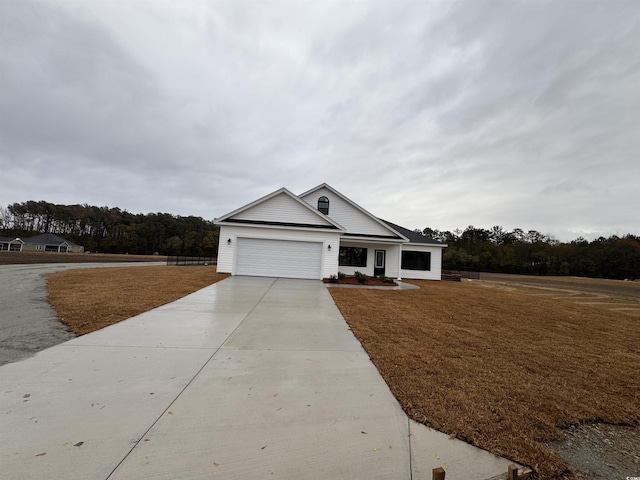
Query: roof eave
(326, 218)
(326, 229)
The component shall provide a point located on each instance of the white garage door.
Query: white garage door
(278, 258)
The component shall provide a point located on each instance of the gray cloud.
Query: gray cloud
(441, 114)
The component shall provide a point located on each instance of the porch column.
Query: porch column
(399, 262)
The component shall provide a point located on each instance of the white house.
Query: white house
(11, 244)
(50, 242)
(318, 234)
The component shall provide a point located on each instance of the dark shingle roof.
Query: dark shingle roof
(413, 237)
(47, 239)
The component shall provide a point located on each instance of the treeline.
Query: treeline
(517, 251)
(111, 230)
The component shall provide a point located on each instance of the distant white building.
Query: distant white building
(11, 244)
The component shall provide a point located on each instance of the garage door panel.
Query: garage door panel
(278, 258)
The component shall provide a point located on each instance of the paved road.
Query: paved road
(28, 324)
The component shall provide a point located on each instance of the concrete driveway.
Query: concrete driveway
(248, 378)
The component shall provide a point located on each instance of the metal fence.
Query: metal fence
(190, 260)
(470, 275)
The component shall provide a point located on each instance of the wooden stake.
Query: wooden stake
(512, 473)
(438, 473)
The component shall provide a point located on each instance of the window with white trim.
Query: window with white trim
(323, 205)
(413, 260)
(352, 257)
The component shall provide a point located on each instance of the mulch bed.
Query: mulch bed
(372, 282)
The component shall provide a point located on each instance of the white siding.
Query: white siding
(391, 260)
(436, 262)
(346, 214)
(227, 251)
(281, 208)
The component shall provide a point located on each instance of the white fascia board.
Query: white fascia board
(324, 217)
(386, 241)
(355, 205)
(278, 227)
(429, 245)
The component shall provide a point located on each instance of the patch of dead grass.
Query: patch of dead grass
(90, 299)
(501, 370)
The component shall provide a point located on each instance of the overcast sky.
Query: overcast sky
(427, 113)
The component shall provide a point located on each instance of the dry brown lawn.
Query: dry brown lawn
(503, 370)
(91, 299)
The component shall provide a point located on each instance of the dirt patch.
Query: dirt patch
(601, 451)
(504, 371)
(91, 299)
(22, 258)
(614, 295)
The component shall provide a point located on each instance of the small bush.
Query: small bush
(333, 279)
(342, 275)
(362, 277)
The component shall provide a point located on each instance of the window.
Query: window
(352, 257)
(416, 260)
(323, 205)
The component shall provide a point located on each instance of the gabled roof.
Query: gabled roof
(323, 220)
(393, 232)
(10, 240)
(414, 237)
(48, 239)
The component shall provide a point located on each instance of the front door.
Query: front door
(378, 267)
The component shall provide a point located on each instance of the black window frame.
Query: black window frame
(325, 205)
(352, 257)
(416, 260)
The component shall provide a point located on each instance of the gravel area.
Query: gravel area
(601, 451)
(28, 324)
